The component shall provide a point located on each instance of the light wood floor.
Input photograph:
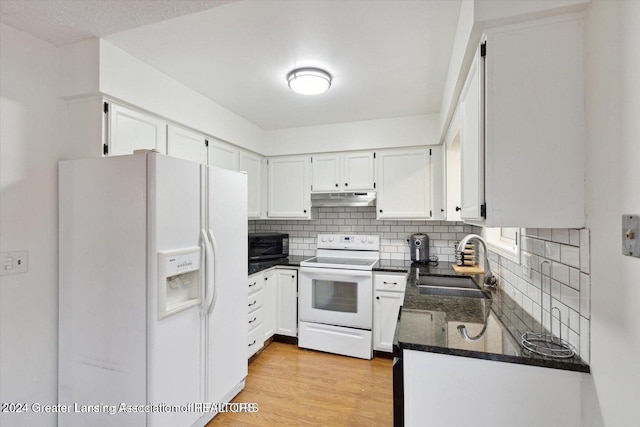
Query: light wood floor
(296, 387)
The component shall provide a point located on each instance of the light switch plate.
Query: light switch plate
(14, 262)
(631, 235)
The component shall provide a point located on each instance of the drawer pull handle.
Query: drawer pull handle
(253, 303)
(253, 284)
(254, 341)
(253, 320)
(390, 283)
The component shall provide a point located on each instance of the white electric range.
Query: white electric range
(335, 295)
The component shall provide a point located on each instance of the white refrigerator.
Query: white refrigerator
(153, 313)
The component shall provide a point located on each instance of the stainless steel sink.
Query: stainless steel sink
(456, 286)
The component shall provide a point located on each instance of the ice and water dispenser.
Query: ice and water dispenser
(178, 280)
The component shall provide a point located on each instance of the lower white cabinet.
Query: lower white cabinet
(272, 306)
(269, 303)
(388, 296)
(445, 390)
(255, 313)
(287, 302)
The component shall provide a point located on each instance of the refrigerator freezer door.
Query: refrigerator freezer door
(174, 342)
(227, 323)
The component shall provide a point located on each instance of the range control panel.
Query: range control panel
(349, 241)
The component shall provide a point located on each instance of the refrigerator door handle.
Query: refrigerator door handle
(214, 263)
(208, 272)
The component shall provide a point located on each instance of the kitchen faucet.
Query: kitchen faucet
(489, 279)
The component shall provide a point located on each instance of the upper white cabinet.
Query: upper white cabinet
(252, 165)
(130, 130)
(522, 131)
(472, 143)
(358, 170)
(186, 144)
(326, 172)
(438, 190)
(349, 171)
(223, 155)
(289, 187)
(403, 178)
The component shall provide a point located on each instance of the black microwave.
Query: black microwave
(268, 246)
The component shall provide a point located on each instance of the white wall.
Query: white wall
(96, 66)
(369, 134)
(29, 221)
(612, 56)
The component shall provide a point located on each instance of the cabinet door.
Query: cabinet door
(252, 165)
(287, 302)
(222, 155)
(452, 171)
(132, 130)
(403, 181)
(269, 304)
(186, 144)
(325, 172)
(472, 143)
(289, 189)
(358, 171)
(385, 316)
(438, 202)
(535, 126)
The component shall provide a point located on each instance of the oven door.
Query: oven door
(336, 297)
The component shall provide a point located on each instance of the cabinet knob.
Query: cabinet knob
(441, 210)
(337, 185)
(346, 184)
(293, 276)
(458, 208)
(305, 211)
(377, 297)
(380, 210)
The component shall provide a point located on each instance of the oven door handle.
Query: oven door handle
(334, 272)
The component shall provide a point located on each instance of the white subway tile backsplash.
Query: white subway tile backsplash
(565, 250)
(551, 251)
(574, 237)
(570, 297)
(585, 295)
(570, 255)
(585, 339)
(560, 235)
(585, 251)
(544, 233)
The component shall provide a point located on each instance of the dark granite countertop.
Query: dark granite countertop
(290, 261)
(430, 323)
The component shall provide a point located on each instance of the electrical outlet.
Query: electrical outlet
(16, 262)
(526, 265)
(631, 235)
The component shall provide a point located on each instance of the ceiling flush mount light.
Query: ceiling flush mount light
(309, 81)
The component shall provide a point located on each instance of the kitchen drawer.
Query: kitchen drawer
(255, 340)
(255, 283)
(254, 300)
(390, 282)
(255, 318)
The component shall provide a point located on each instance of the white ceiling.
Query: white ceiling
(388, 58)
